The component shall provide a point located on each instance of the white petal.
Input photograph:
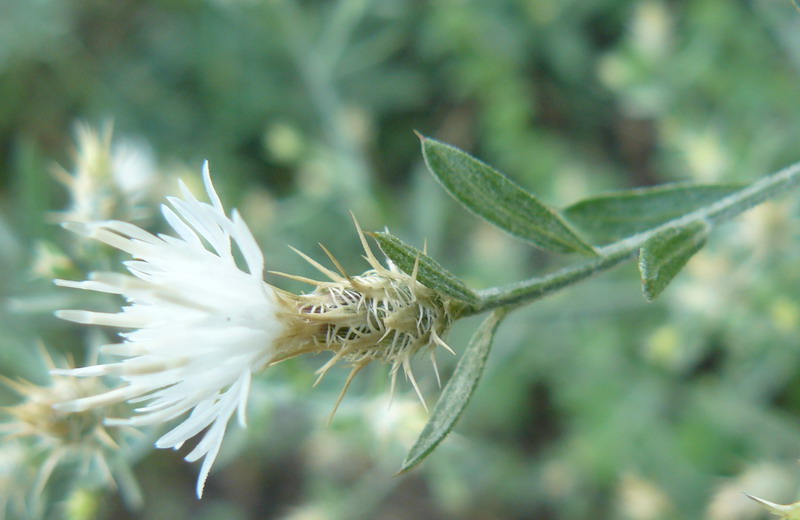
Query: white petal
(86, 403)
(101, 318)
(201, 325)
(247, 244)
(212, 193)
(180, 227)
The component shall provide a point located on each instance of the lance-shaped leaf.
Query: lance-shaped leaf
(609, 217)
(429, 272)
(457, 392)
(494, 197)
(665, 254)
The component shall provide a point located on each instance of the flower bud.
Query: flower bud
(382, 314)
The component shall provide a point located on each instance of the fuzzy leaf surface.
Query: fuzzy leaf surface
(609, 217)
(430, 273)
(457, 392)
(664, 255)
(494, 197)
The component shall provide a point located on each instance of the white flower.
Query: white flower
(201, 325)
(133, 169)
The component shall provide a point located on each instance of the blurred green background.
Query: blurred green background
(594, 404)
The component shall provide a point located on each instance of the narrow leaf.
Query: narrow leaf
(429, 272)
(457, 393)
(494, 197)
(664, 255)
(610, 217)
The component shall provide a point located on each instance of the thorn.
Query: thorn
(319, 267)
(415, 270)
(789, 511)
(335, 262)
(106, 438)
(48, 359)
(425, 247)
(332, 361)
(303, 279)
(393, 384)
(324, 369)
(370, 256)
(420, 136)
(17, 386)
(436, 368)
(356, 370)
(410, 375)
(437, 340)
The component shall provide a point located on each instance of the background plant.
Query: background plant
(592, 401)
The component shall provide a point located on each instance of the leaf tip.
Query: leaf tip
(649, 296)
(413, 460)
(403, 470)
(420, 136)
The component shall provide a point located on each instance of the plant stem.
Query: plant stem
(526, 291)
(317, 66)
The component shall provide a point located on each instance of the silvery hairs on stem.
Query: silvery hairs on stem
(200, 325)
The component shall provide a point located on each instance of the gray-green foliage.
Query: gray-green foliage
(494, 197)
(666, 253)
(429, 272)
(307, 114)
(612, 216)
(664, 240)
(457, 392)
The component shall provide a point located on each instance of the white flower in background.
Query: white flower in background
(201, 324)
(133, 169)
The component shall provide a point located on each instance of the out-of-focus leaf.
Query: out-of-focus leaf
(457, 392)
(664, 255)
(429, 273)
(494, 197)
(610, 217)
(31, 190)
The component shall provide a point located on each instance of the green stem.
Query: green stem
(614, 254)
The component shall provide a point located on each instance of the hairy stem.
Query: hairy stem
(526, 291)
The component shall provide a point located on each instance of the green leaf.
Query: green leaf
(457, 392)
(664, 255)
(610, 217)
(430, 273)
(494, 197)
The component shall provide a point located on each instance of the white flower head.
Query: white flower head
(201, 324)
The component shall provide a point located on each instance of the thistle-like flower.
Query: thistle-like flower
(201, 324)
(108, 178)
(58, 435)
(382, 314)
